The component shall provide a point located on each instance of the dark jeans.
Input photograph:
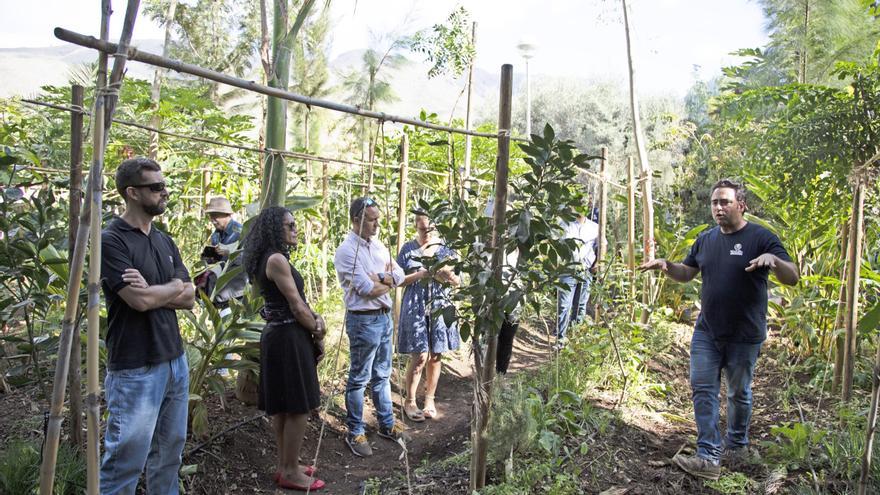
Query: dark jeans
(708, 358)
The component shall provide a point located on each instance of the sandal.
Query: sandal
(308, 471)
(413, 412)
(289, 485)
(430, 410)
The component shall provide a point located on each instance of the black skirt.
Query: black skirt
(288, 372)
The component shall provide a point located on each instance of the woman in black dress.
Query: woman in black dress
(291, 343)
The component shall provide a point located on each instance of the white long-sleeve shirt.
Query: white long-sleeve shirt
(587, 234)
(356, 259)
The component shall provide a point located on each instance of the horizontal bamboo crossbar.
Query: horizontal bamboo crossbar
(290, 154)
(178, 66)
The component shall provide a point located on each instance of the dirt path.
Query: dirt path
(242, 460)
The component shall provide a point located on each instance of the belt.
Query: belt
(380, 311)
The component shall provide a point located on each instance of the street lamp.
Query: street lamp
(526, 46)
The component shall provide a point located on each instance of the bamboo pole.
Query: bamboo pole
(290, 154)
(603, 220)
(871, 427)
(631, 227)
(851, 316)
(325, 213)
(468, 144)
(93, 400)
(838, 341)
(401, 216)
(485, 372)
(75, 370)
(178, 66)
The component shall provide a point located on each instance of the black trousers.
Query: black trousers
(505, 343)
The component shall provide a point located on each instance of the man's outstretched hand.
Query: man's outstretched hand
(655, 264)
(766, 260)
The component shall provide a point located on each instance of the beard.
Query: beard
(156, 209)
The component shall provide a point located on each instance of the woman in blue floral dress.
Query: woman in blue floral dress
(423, 337)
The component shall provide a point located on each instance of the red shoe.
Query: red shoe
(289, 485)
(308, 471)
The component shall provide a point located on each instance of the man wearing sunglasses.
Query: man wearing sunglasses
(367, 274)
(147, 383)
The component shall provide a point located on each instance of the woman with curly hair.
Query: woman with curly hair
(291, 343)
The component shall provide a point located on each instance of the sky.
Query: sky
(676, 41)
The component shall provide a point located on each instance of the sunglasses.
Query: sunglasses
(155, 186)
(366, 203)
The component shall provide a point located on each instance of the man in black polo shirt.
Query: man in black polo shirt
(147, 383)
(735, 259)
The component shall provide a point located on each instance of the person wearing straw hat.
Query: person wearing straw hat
(147, 383)
(224, 240)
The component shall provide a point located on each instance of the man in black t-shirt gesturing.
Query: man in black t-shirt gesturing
(734, 259)
(147, 383)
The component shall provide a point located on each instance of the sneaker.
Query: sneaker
(697, 466)
(396, 432)
(359, 445)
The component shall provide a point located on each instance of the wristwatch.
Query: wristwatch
(381, 278)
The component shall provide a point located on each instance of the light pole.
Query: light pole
(526, 46)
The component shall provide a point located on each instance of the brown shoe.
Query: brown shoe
(396, 432)
(697, 466)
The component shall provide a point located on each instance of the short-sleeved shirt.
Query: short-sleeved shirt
(734, 301)
(136, 338)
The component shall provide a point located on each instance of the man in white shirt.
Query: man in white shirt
(367, 274)
(586, 233)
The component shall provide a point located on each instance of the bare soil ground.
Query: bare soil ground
(633, 455)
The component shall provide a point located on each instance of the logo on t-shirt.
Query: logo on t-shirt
(737, 250)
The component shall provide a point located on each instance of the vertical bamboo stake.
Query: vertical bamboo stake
(871, 426)
(838, 341)
(158, 75)
(631, 227)
(325, 213)
(603, 219)
(852, 287)
(465, 182)
(485, 376)
(401, 216)
(75, 378)
(93, 401)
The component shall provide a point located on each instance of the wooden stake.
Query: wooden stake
(325, 213)
(401, 217)
(465, 180)
(485, 370)
(631, 226)
(871, 427)
(852, 287)
(75, 378)
(603, 208)
(838, 341)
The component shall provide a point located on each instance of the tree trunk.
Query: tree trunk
(158, 76)
(274, 186)
(484, 373)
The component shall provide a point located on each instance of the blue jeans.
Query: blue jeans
(708, 358)
(147, 409)
(369, 338)
(565, 299)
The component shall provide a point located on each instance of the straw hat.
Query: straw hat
(219, 205)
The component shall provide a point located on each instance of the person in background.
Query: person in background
(734, 259)
(226, 235)
(290, 346)
(585, 233)
(147, 382)
(367, 274)
(421, 334)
